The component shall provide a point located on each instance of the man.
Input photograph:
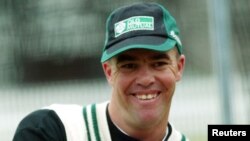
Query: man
(142, 60)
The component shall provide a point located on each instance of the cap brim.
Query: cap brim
(155, 43)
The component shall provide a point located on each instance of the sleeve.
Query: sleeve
(41, 125)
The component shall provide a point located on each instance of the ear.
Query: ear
(180, 64)
(107, 68)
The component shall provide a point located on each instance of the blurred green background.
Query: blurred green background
(50, 53)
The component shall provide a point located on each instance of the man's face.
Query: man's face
(143, 84)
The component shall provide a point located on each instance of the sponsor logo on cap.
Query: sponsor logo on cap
(176, 37)
(133, 24)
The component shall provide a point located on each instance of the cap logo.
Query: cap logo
(133, 24)
(176, 37)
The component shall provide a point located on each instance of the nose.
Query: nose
(145, 77)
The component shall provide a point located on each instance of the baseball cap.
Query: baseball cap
(140, 26)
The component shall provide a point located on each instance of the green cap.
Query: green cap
(140, 26)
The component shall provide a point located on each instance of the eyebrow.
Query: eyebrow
(125, 57)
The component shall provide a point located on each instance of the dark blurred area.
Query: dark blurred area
(59, 40)
(54, 40)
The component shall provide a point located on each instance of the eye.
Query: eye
(160, 64)
(128, 66)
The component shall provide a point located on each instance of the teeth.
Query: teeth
(146, 96)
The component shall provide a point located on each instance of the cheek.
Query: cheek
(122, 83)
(167, 79)
(172, 71)
(168, 82)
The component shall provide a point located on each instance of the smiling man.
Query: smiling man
(143, 84)
(142, 60)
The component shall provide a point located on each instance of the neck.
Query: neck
(155, 134)
(143, 131)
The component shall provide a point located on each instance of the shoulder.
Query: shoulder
(59, 122)
(65, 110)
(176, 135)
(72, 118)
(39, 118)
(79, 120)
(42, 124)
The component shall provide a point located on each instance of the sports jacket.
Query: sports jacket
(76, 123)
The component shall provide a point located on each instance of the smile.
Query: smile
(146, 96)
